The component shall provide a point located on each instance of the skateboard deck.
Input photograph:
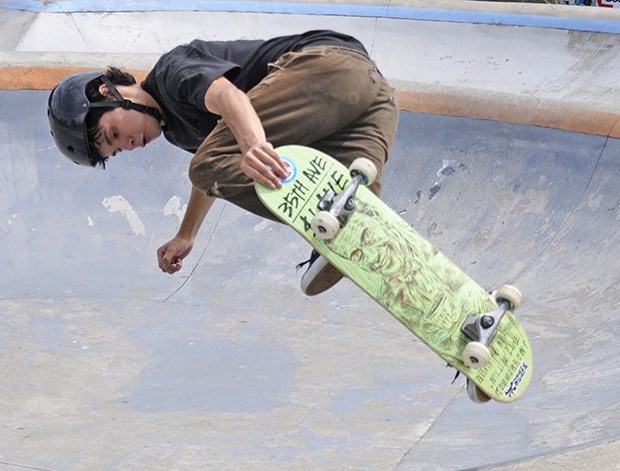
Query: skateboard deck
(402, 271)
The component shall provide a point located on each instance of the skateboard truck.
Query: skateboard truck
(336, 209)
(342, 204)
(481, 328)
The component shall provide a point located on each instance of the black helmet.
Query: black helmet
(67, 108)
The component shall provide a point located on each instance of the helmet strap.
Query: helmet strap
(123, 103)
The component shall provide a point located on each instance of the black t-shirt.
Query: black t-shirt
(181, 77)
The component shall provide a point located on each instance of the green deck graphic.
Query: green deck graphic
(402, 271)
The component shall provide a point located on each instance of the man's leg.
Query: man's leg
(370, 136)
(333, 99)
(327, 97)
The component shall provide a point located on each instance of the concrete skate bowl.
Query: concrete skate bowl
(93, 333)
(109, 364)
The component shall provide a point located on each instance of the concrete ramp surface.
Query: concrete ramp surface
(109, 364)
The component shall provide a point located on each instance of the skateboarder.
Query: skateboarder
(229, 104)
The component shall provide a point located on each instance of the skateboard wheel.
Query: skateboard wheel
(476, 355)
(325, 225)
(364, 167)
(509, 294)
(476, 394)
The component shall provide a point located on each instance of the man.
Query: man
(230, 103)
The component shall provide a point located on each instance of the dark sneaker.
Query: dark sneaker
(320, 275)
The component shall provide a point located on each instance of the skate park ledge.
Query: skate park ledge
(548, 65)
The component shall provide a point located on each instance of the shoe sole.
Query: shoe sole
(319, 279)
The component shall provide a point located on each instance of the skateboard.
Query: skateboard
(470, 329)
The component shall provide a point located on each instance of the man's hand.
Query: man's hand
(170, 255)
(260, 161)
(263, 164)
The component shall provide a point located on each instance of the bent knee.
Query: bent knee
(201, 179)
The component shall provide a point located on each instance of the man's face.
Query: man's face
(125, 130)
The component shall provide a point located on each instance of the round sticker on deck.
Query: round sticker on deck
(291, 168)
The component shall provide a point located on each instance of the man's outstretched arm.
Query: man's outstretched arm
(170, 255)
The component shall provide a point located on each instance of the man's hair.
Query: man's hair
(117, 77)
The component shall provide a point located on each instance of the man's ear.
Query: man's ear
(105, 91)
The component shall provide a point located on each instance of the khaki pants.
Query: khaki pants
(328, 97)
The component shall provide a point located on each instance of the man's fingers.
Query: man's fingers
(264, 177)
(168, 263)
(261, 172)
(263, 164)
(174, 266)
(161, 259)
(277, 165)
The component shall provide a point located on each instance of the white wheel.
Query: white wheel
(364, 167)
(476, 355)
(325, 225)
(475, 393)
(510, 294)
